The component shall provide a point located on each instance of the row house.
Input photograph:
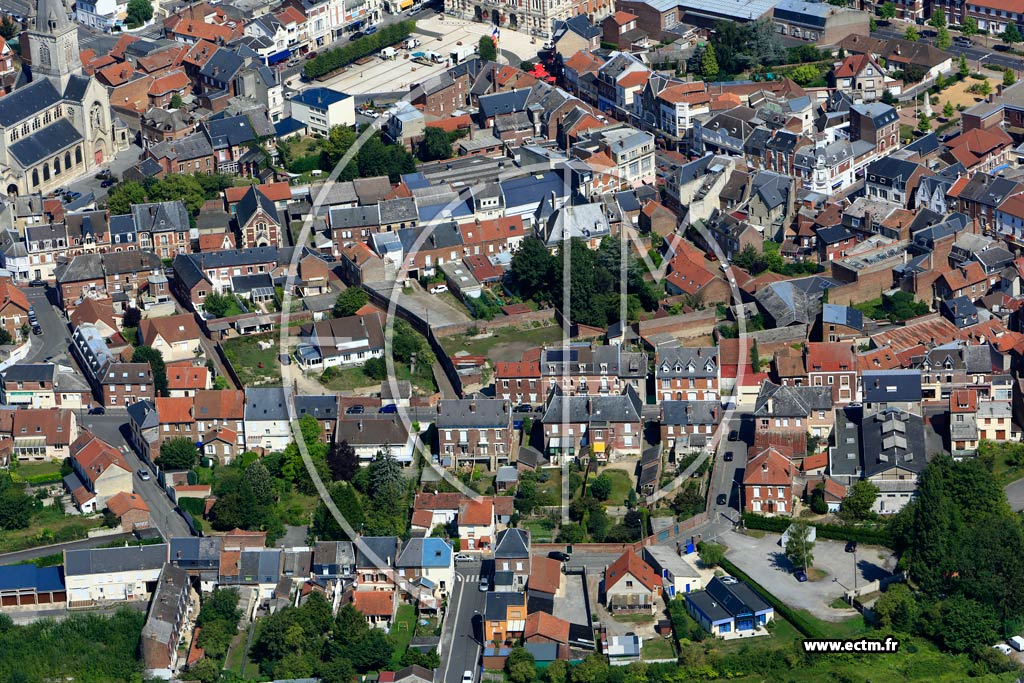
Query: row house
(768, 483)
(347, 223)
(162, 228)
(98, 473)
(14, 309)
(474, 432)
(105, 276)
(519, 381)
(825, 167)
(177, 419)
(618, 81)
(198, 275)
(623, 153)
(834, 366)
(370, 436)
(113, 381)
(603, 426)
(980, 196)
(43, 434)
(794, 410)
(587, 368)
(687, 373)
(42, 385)
(688, 425)
(176, 337)
(107, 575)
(670, 106)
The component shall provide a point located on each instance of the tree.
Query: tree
(178, 453)
(601, 487)
(487, 49)
(911, 34)
(859, 501)
(132, 317)
(122, 196)
(532, 270)
(325, 527)
(923, 123)
(520, 666)
(709, 63)
(220, 605)
(206, 670)
(819, 505)
(948, 110)
(872, 24)
(711, 554)
(217, 304)
(1009, 77)
(436, 144)
(943, 39)
(342, 461)
(178, 187)
(962, 67)
(350, 301)
(176, 101)
(15, 505)
(799, 547)
(220, 383)
(887, 11)
(755, 357)
(386, 481)
(969, 26)
(897, 609)
(887, 98)
(984, 88)
(966, 625)
(147, 354)
(374, 368)
(938, 19)
(405, 342)
(139, 12)
(805, 74)
(1012, 34)
(8, 29)
(374, 652)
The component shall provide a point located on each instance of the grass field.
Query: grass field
(348, 379)
(401, 633)
(505, 344)
(622, 484)
(36, 469)
(253, 365)
(658, 648)
(49, 525)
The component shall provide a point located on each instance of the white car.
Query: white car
(438, 289)
(1003, 647)
(484, 585)
(463, 557)
(467, 677)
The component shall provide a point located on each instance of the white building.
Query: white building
(104, 15)
(266, 419)
(322, 108)
(112, 574)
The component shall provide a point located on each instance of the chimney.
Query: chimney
(700, 352)
(764, 466)
(472, 407)
(359, 425)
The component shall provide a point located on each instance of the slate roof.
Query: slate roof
(376, 551)
(160, 217)
(624, 407)
(113, 560)
(685, 413)
(230, 131)
(879, 113)
(26, 101)
(320, 98)
(320, 407)
(686, 361)
(506, 102)
(251, 202)
(512, 543)
(888, 386)
(870, 444)
(45, 142)
(791, 401)
(265, 403)
(472, 413)
(833, 314)
(794, 301)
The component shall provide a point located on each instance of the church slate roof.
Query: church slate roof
(26, 101)
(45, 142)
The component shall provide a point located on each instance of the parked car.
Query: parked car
(484, 584)
(357, 35)
(370, 31)
(36, 283)
(144, 474)
(390, 408)
(108, 182)
(728, 456)
(722, 499)
(559, 555)
(523, 408)
(36, 329)
(311, 55)
(71, 196)
(355, 410)
(98, 410)
(1003, 647)
(734, 435)
(851, 546)
(729, 580)
(800, 575)
(963, 41)
(463, 557)
(438, 289)
(467, 677)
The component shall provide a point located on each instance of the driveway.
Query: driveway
(1015, 495)
(764, 560)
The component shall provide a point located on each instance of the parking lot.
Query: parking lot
(764, 560)
(436, 35)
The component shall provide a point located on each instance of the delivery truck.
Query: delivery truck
(462, 53)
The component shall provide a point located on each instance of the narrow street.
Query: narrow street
(460, 645)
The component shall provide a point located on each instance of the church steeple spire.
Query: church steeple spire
(51, 16)
(53, 43)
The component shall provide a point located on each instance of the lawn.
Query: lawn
(401, 633)
(504, 344)
(658, 648)
(253, 365)
(347, 379)
(25, 470)
(641, 618)
(540, 530)
(50, 525)
(622, 484)
(235, 661)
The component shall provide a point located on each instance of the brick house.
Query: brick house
(768, 483)
(593, 369)
(130, 510)
(99, 472)
(604, 426)
(13, 309)
(257, 220)
(175, 336)
(475, 432)
(122, 384)
(687, 373)
(43, 434)
(630, 584)
(518, 381)
(834, 366)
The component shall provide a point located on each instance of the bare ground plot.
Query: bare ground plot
(506, 344)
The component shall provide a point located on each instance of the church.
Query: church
(56, 124)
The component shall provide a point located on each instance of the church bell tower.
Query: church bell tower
(53, 44)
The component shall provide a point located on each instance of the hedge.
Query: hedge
(330, 60)
(801, 622)
(194, 506)
(38, 479)
(833, 532)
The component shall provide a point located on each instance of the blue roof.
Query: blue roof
(436, 552)
(835, 314)
(446, 210)
(530, 189)
(22, 576)
(415, 181)
(288, 126)
(321, 98)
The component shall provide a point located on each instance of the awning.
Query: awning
(278, 57)
(554, 442)
(598, 448)
(405, 4)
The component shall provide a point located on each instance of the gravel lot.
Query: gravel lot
(765, 562)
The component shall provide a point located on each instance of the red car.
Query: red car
(310, 55)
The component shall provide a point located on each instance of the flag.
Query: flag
(495, 34)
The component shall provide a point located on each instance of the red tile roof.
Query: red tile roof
(217, 241)
(688, 276)
(172, 329)
(452, 123)
(769, 468)
(634, 79)
(275, 192)
(545, 575)
(95, 456)
(175, 410)
(963, 401)
(124, 501)
(546, 626)
(290, 14)
(476, 512)
(517, 369)
(222, 404)
(829, 357)
(816, 461)
(184, 375)
(977, 144)
(116, 74)
(621, 17)
(851, 66)
(172, 82)
(493, 230)
(629, 563)
(11, 294)
(374, 603)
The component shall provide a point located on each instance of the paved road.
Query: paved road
(726, 475)
(461, 631)
(112, 428)
(1015, 495)
(41, 551)
(979, 53)
(27, 616)
(54, 341)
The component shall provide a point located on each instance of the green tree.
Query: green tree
(948, 110)
(147, 354)
(1011, 35)
(374, 652)
(911, 34)
(984, 88)
(206, 670)
(220, 605)
(122, 196)
(872, 24)
(138, 12)
(333, 149)
(962, 67)
(969, 26)
(938, 19)
(325, 527)
(220, 383)
(215, 638)
(859, 501)
(711, 554)
(601, 487)
(709, 63)
(178, 453)
(178, 187)
(888, 98)
(405, 342)
(819, 505)
(923, 123)
(755, 357)
(887, 11)
(799, 546)
(897, 609)
(176, 101)
(942, 38)
(520, 666)
(350, 301)
(487, 49)
(805, 74)
(15, 505)
(1009, 77)
(435, 145)
(966, 625)
(217, 304)
(8, 29)
(342, 461)
(532, 270)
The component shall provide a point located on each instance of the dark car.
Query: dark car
(36, 329)
(98, 410)
(71, 196)
(722, 499)
(728, 456)
(311, 55)
(851, 546)
(523, 408)
(357, 35)
(390, 408)
(734, 435)
(355, 410)
(559, 555)
(37, 283)
(800, 575)
(108, 182)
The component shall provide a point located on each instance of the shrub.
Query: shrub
(329, 60)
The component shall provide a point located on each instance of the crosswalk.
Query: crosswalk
(468, 579)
